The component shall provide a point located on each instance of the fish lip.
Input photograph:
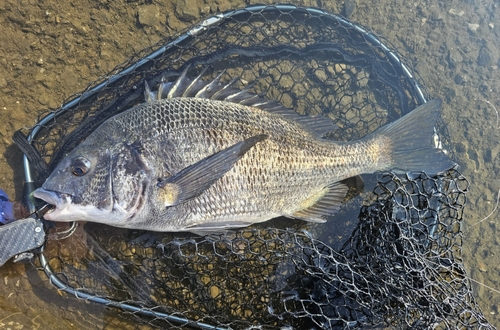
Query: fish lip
(59, 200)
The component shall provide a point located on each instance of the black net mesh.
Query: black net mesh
(399, 267)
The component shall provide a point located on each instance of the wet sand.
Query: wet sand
(50, 50)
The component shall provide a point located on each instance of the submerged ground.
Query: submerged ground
(51, 49)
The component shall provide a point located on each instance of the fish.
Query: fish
(205, 156)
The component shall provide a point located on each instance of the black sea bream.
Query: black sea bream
(203, 156)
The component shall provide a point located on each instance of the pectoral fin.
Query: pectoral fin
(196, 178)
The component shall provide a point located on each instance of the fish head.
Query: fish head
(104, 184)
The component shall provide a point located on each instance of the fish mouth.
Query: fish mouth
(59, 201)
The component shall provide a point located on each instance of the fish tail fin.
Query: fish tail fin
(411, 139)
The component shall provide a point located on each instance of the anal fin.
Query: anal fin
(322, 204)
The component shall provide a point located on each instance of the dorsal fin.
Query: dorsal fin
(184, 86)
(177, 88)
(195, 85)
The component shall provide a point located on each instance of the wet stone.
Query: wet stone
(459, 79)
(43, 98)
(100, 16)
(186, 10)
(494, 185)
(487, 155)
(454, 57)
(348, 8)
(68, 78)
(460, 147)
(434, 36)
(484, 57)
(472, 27)
(148, 15)
(456, 12)
(436, 16)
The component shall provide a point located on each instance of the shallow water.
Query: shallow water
(52, 49)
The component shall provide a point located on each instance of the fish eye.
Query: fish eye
(80, 166)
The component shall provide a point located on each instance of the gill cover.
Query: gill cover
(130, 181)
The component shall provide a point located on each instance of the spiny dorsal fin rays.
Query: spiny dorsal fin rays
(211, 88)
(163, 89)
(183, 86)
(226, 90)
(149, 96)
(195, 85)
(178, 86)
(196, 178)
